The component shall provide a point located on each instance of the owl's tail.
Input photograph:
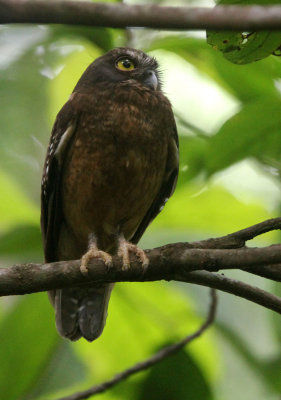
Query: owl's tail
(81, 311)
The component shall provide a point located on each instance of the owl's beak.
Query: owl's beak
(150, 79)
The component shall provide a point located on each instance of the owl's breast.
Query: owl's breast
(113, 170)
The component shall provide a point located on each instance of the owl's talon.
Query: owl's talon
(142, 257)
(84, 269)
(123, 252)
(126, 266)
(93, 252)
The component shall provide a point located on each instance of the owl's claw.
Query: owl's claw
(94, 252)
(123, 251)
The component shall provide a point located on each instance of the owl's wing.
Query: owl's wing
(167, 188)
(51, 213)
(80, 311)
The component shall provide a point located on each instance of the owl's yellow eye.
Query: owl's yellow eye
(125, 64)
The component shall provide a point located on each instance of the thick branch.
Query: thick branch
(29, 278)
(171, 262)
(187, 262)
(243, 18)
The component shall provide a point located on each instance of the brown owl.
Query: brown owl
(111, 164)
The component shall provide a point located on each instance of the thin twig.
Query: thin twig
(155, 359)
(238, 288)
(272, 272)
(233, 17)
(239, 238)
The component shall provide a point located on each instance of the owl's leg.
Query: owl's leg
(124, 249)
(94, 252)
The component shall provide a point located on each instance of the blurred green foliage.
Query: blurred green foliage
(229, 179)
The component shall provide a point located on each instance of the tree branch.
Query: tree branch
(155, 359)
(242, 18)
(186, 262)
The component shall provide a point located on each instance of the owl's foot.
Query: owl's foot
(94, 252)
(125, 248)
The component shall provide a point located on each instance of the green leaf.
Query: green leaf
(193, 151)
(101, 37)
(15, 207)
(252, 132)
(241, 49)
(28, 339)
(63, 370)
(177, 377)
(11, 244)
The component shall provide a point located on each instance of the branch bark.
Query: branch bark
(242, 18)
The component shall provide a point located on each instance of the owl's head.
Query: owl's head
(122, 64)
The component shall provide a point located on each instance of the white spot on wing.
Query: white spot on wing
(64, 140)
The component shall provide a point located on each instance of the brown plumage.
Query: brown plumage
(111, 165)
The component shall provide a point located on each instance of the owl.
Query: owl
(111, 164)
